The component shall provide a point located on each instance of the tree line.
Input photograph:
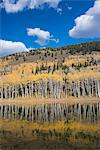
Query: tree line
(53, 89)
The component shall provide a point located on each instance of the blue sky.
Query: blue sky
(48, 25)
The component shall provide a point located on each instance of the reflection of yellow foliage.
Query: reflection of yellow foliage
(58, 127)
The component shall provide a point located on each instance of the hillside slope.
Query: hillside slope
(52, 72)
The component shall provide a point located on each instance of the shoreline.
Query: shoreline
(34, 101)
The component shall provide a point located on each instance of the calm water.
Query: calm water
(49, 113)
(52, 112)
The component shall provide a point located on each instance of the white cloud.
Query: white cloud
(59, 10)
(9, 47)
(87, 25)
(1, 5)
(11, 6)
(43, 37)
(69, 8)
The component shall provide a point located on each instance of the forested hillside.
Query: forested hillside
(70, 71)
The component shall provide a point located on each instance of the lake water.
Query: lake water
(52, 112)
(21, 139)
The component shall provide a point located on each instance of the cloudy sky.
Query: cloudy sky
(47, 23)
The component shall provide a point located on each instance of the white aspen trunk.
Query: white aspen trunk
(32, 88)
(22, 91)
(83, 88)
(96, 91)
(1, 92)
(78, 89)
(98, 87)
(26, 91)
(51, 88)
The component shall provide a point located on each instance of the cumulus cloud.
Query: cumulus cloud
(13, 6)
(87, 25)
(59, 10)
(43, 37)
(9, 47)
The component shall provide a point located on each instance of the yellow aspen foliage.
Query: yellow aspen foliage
(83, 75)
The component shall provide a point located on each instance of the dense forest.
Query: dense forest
(69, 71)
